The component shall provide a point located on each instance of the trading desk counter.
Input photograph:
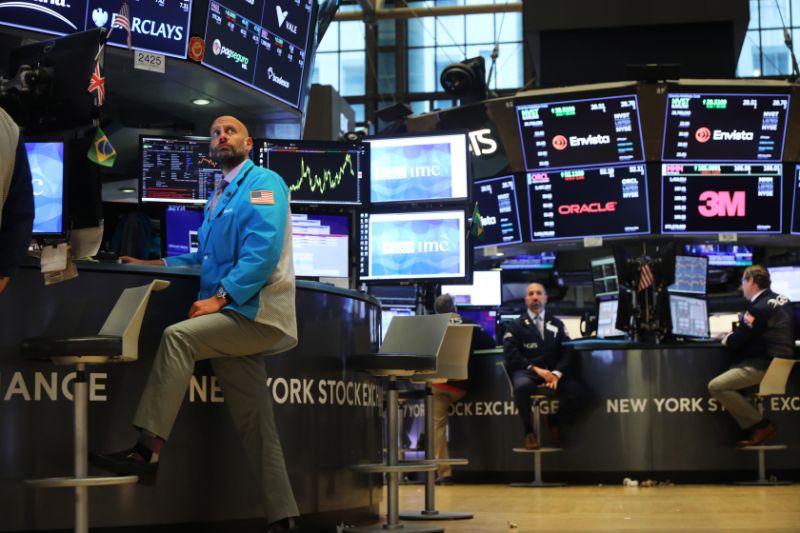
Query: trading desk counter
(327, 420)
(647, 410)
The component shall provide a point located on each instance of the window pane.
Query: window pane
(352, 73)
(774, 53)
(387, 79)
(450, 30)
(386, 33)
(480, 29)
(442, 104)
(421, 32)
(422, 76)
(510, 71)
(351, 35)
(330, 41)
(359, 109)
(771, 14)
(754, 14)
(326, 69)
(749, 62)
(508, 26)
(420, 106)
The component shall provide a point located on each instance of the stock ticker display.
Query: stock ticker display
(264, 45)
(721, 198)
(499, 210)
(176, 170)
(580, 133)
(724, 127)
(317, 172)
(604, 201)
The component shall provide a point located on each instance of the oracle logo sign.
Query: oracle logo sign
(722, 204)
(594, 207)
(559, 142)
(702, 134)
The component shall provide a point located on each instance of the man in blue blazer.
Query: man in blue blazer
(535, 356)
(245, 309)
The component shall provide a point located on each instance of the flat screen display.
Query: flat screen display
(605, 201)
(795, 228)
(485, 318)
(46, 160)
(317, 172)
(181, 224)
(388, 313)
(265, 45)
(542, 260)
(690, 274)
(484, 291)
(724, 127)
(156, 25)
(419, 168)
(57, 18)
(786, 281)
(580, 133)
(499, 209)
(689, 316)
(413, 246)
(176, 170)
(721, 198)
(722, 255)
(604, 277)
(320, 245)
(607, 319)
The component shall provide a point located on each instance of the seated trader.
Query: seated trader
(534, 355)
(245, 310)
(446, 394)
(16, 199)
(765, 330)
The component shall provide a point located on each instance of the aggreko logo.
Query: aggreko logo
(594, 207)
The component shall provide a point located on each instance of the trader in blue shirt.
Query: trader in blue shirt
(245, 310)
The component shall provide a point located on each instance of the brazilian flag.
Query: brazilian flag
(476, 229)
(101, 151)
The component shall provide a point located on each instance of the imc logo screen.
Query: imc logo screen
(417, 244)
(421, 168)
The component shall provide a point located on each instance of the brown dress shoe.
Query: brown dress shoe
(759, 435)
(531, 442)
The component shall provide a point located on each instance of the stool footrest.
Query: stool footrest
(540, 450)
(92, 481)
(765, 447)
(454, 462)
(406, 466)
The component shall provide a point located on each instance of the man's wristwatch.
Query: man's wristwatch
(222, 293)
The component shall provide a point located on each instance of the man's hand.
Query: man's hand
(207, 306)
(3, 282)
(134, 261)
(550, 379)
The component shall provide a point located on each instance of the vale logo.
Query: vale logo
(281, 15)
(100, 17)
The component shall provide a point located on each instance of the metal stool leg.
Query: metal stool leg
(80, 449)
(537, 454)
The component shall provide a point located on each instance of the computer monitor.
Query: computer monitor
(588, 202)
(540, 261)
(320, 245)
(46, 160)
(67, 17)
(607, 320)
(419, 168)
(603, 130)
(388, 313)
(721, 198)
(714, 126)
(722, 255)
(317, 172)
(176, 170)
(604, 277)
(499, 210)
(484, 291)
(690, 275)
(786, 281)
(181, 224)
(413, 246)
(689, 316)
(485, 318)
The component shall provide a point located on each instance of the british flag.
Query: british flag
(262, 197)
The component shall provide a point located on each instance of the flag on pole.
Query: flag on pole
(101, 151)
(97, 84)
(645, 277)
(476, 229)
(123, 20)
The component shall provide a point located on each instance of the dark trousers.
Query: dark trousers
(526, 383)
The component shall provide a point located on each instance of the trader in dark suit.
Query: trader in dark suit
(765, 330)
(535, 356)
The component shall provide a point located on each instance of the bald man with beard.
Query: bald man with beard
(245, 309)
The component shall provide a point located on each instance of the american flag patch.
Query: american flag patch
(262, 197)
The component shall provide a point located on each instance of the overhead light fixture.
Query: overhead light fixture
(499, 254)
(127, 190)
(201, 101)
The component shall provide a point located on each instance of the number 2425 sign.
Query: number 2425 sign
(149, 61)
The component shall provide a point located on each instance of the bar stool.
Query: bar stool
(451, 363)
(117, 341)
(541, 395)
(409, 348)
(773, 384)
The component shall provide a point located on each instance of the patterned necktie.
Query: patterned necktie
(221, 184)
(539, 324)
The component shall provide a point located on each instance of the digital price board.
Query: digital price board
(499, 210)
(176, 170)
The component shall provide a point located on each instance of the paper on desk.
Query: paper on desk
(54, 258)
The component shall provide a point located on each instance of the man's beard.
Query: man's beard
(229, 158)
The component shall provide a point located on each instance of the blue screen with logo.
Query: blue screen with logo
(413, 246)
(46, 160)
(422, 168)
(724, 127)
(182, 224)
(58, 18)
(265, 45)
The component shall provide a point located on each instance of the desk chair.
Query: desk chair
(451, 363)
(773, 384)
(541, 395)
(409, 348)
(117, 341)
